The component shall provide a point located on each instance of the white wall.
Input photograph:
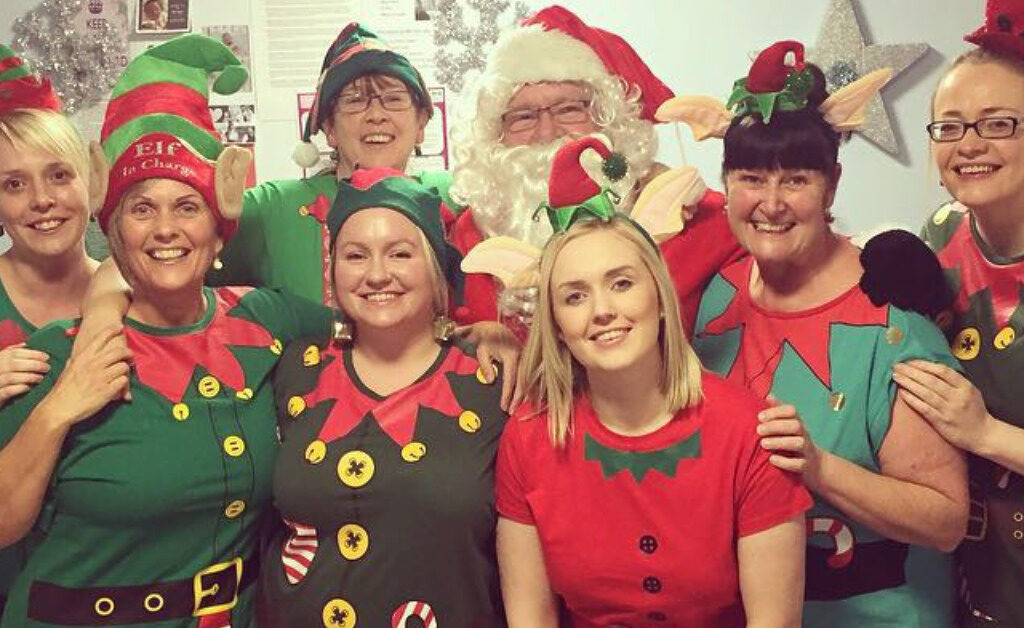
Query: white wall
(702, 47)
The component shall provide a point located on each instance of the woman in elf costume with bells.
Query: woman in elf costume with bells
(977, 139)
(632, 485)
(793, 322)
(147, 513)
(44, 208)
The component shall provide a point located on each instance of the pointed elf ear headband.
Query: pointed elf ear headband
(779, 80)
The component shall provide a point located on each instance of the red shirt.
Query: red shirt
(693, 257)
(641, 531)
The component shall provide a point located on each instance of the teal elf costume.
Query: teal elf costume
(283, 241)
(153, 509)
(387, 500)
(833, 362)
(19, 89)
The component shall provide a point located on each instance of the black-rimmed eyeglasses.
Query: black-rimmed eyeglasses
(994, 128)
(397, 100)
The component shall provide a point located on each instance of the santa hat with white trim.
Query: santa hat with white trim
(158, 122)
(556, 45)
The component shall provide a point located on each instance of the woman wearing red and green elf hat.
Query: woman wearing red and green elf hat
(372, 105)
(977, 140)
(44, 208)
(386, 472)
(146, 513)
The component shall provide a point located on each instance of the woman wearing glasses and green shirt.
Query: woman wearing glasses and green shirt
(977, 139)
(372, 105)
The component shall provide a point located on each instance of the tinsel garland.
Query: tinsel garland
(83, 66)
(450, 28)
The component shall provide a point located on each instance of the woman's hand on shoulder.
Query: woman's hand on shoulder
(496, 343)
(20, 369)
(96, 375)
(947, 400)
(783, 433)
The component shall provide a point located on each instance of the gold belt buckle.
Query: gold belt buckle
(200, 592)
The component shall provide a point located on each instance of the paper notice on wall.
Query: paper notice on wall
(297, 34)
(416, 43)
(432, 153)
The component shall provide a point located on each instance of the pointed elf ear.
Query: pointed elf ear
(509, 260)
(844, 110)
(232, 167)
(99, 177)
(664, 204)
(706, 116)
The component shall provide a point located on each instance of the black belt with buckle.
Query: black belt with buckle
(212, 590)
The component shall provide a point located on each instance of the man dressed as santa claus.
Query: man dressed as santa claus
(550, 79)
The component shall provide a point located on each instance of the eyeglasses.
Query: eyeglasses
(398, 100)
(994, 128)
(566, 112)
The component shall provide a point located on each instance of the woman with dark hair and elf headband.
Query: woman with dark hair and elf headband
(632, 485)
(977, 139)
(793, 321)
(386, 473)
(147, 513)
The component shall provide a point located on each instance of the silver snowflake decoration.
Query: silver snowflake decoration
(471, 42)
(83, 66)
(844, 57)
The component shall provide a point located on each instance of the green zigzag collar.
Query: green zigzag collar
(639, 463)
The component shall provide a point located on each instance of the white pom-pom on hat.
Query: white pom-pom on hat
(306, 155)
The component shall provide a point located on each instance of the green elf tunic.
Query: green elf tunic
(282, 240)
(387, 501)
(986, 333)
(834, 363)
(14, 329)
(152, 514)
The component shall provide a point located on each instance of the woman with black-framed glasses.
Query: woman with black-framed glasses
(977, 140)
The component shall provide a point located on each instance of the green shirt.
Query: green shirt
(151, 492)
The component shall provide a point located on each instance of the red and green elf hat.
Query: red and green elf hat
(1003, 30)
(778, 79)
(158, 122)
(574, 190)
(20, 89)
(356, 52)
(393, 189)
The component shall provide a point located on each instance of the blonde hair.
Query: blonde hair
(978, 56)
(48, 132)
(551, 377)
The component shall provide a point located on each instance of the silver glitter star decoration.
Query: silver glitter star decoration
(844, 57)
(471, 43)
(82, 66)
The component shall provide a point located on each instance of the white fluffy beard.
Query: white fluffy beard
(516, 185)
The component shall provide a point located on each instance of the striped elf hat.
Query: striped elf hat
(158, 123)
(355, 52)
(20, 89)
